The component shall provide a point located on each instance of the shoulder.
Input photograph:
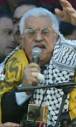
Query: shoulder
(16, 57)
(14, 66)
(65, 54)
(71, 43)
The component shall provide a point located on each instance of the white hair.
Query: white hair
(39, 12)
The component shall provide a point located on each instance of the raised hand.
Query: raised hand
(68, 14)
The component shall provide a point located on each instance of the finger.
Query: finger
(34, 65)
(36, 70)
(71, 10)
(63, 15)
(73, 19)
(34, 80)
(31, 68)
(34, 74)
(38, 76)
(31, 79)
(29, 71)
(59, 13)
(65, 3)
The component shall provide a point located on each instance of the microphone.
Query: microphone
(36, 52)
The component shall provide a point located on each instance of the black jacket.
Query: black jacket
(11, 112)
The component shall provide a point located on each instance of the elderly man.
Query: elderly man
(40, 29)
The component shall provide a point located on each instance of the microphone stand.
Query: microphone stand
(63, 85)
(66, 86)
(66, 90)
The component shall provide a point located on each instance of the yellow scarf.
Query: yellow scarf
(14, 69)
(72, 104)
(72, 101)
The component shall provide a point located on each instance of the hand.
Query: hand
(31, 74)
(9, 124)
(68, 14)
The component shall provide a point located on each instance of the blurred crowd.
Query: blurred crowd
(51, 4)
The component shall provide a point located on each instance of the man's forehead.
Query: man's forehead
(40, 20)
(6, 22)
(19, 12)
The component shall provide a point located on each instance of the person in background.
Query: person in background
(6, 35)
(15, 3)
(18, 13)
(20, 10)
(11, 111)
(16, 99)
(6, 46)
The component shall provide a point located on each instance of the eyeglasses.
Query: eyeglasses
(30, 32)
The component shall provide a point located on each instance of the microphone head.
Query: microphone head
(36, 52)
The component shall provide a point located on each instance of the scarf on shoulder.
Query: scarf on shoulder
(59, 70)
(13, 68)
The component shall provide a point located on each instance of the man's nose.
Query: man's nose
(38, 37)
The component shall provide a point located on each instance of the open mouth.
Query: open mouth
(40, 46)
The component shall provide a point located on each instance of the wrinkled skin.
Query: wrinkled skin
(45, 38)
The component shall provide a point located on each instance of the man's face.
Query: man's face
(38, 32)
(6, 36)
(19, 12)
